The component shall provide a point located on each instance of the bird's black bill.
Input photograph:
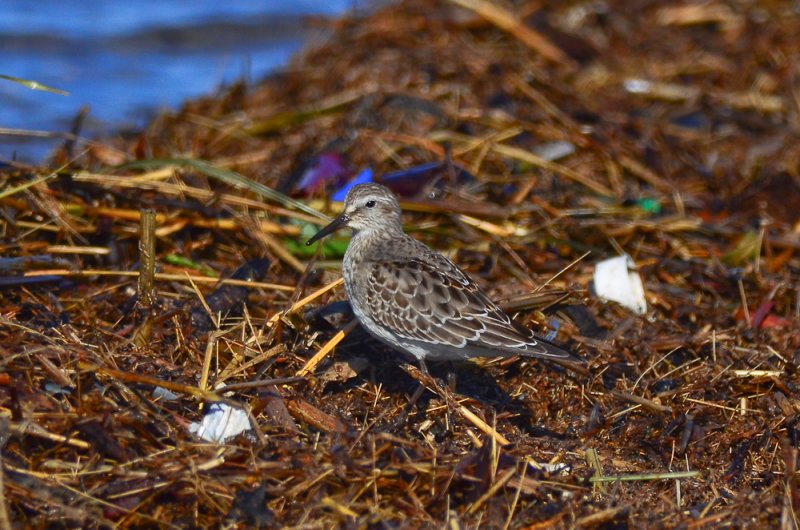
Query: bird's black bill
(332, 227)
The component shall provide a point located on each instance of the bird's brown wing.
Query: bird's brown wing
(434, 303)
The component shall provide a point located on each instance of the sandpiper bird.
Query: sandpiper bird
(416, 300)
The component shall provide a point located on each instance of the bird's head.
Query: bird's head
(367, 208)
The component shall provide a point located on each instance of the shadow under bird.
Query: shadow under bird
(417, 300)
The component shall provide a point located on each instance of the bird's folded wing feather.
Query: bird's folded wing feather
(437, 303)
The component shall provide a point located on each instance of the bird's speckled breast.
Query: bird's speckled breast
(365, 249)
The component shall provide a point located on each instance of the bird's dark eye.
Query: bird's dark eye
(370, 204)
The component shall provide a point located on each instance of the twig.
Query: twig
(511, 23)
(723, 407)
(147, 259)
(652, 366)
(594, 460)
(746, 311)
(263, 382)
(645, 476)
(652, 405)
(207, 356)
(562, 271)
(300, 303)
(326, 348)
(34, 429)
(161, 276)
(596, 518)
(199, 393)
(516, 495)
(492, 490)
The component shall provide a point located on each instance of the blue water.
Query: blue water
(127, 61)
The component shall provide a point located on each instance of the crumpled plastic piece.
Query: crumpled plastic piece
(221, 422)
(616, 280)
(362, 178)
(329, 167)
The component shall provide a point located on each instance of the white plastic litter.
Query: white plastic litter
(552, 151)
(164, 394)
(550, 469)
(616, 280)
(220, 423)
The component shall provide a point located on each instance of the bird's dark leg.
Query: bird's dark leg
(451, 381)
(401, 418)
(420, 388)
(423, 367)
(415, 396)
